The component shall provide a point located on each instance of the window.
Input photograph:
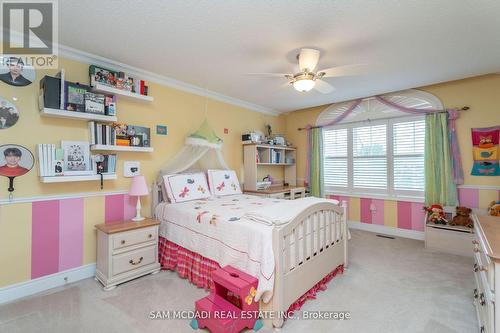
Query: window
(384, 157)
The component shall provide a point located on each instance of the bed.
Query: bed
(288, 259)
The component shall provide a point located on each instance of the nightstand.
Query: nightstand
(126, 250)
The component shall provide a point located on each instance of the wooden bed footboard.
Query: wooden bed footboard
(306, 250)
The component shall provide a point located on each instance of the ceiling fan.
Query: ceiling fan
(308, 78)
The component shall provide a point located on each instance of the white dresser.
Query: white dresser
(486, 268)
(126, 250)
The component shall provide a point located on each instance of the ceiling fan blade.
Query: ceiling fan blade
(308, 59)
(323, 87)
(283, 75)
(347, 70)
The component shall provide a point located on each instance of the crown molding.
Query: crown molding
(92, 59)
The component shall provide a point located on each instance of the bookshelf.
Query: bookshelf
(122, 148)
(85, 116)
(255, 155)
(104, 89)
(64, 179)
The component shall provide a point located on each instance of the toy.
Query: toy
(435, 214)
(463, 217)
(230, 307)
(494, 208)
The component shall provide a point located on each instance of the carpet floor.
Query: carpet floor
(391, 285)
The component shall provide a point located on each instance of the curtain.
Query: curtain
(439, 185)
(315, 159)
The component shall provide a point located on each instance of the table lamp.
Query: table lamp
(138, 188)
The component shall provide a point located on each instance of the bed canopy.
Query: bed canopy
(202, 151)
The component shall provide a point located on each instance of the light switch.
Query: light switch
(131, 168)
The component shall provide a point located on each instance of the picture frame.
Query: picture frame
(14, 72)
(9, 115)
(76, 158)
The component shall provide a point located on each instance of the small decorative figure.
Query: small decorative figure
(463, 217)
(435, 214)
(494, 208)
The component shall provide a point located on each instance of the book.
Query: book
(75, 96)
(94, 103)
(102, 76)
(110, 105)
(62, 101)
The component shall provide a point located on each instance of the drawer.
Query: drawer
(484, 305)
(277, 195)
(134, 237)
(131, 260)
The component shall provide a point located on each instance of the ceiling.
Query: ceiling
(213, 44)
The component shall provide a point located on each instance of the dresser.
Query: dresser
(486, 267)
(126, 250)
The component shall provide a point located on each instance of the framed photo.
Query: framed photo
(76, 158)
(14, 72)
(8, 114)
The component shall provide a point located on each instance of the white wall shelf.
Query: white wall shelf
(104, 89)
(65, 179)
(57, 113)
(122, 148)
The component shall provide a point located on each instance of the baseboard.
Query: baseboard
(382, 229)
(23, 289)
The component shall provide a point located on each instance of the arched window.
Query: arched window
(376, 150)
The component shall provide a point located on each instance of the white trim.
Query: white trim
(91, 59)
(385, 230)
(481, 187)
(377, 196)
(23, 289)
(59, 197)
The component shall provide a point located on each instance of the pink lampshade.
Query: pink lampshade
(138, 186)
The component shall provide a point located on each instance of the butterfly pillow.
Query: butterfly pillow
(223, 182)
(186, 187)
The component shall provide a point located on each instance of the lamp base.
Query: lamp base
(138, 216)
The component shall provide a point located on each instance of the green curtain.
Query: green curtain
(316, 187)
(439, 185)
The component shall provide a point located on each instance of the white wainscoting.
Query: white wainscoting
(385, 230)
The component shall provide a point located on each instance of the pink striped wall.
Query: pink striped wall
(366, 213)
(57, 231)
(378, 212)
(404, 215)
(45, 238)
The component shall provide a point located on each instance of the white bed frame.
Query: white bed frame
(324, 248)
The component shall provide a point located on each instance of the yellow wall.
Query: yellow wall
(481, 93)
(182, 112)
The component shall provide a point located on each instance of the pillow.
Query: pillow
(223, 182)
(186, 187)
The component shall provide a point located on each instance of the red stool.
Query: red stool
(231, 306)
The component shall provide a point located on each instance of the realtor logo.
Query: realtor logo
(29, 31)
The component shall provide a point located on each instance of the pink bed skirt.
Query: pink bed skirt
(198, 270)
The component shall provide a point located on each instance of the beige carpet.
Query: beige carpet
(390, 286)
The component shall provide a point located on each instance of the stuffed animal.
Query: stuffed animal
(435, 214)
(463, 217)
(494, 208)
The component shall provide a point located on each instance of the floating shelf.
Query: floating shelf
(104, 89)
(122, 148)
(65, 179)
(57, 113)
(276, 163)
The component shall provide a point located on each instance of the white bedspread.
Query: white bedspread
(215, 229)
(282, 212)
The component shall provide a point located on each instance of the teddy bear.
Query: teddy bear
(494, 208)
(462, 218)
(435, 214)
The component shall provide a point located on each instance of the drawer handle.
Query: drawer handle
(482, 300)
(475, 242)
(476, 249)
(482, 329)
(135, 263)
(150, 236)
(476, 293)
(123, 241)
(476, 268)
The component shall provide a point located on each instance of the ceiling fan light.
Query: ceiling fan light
(304, 85)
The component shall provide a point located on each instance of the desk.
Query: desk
(281, 192)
